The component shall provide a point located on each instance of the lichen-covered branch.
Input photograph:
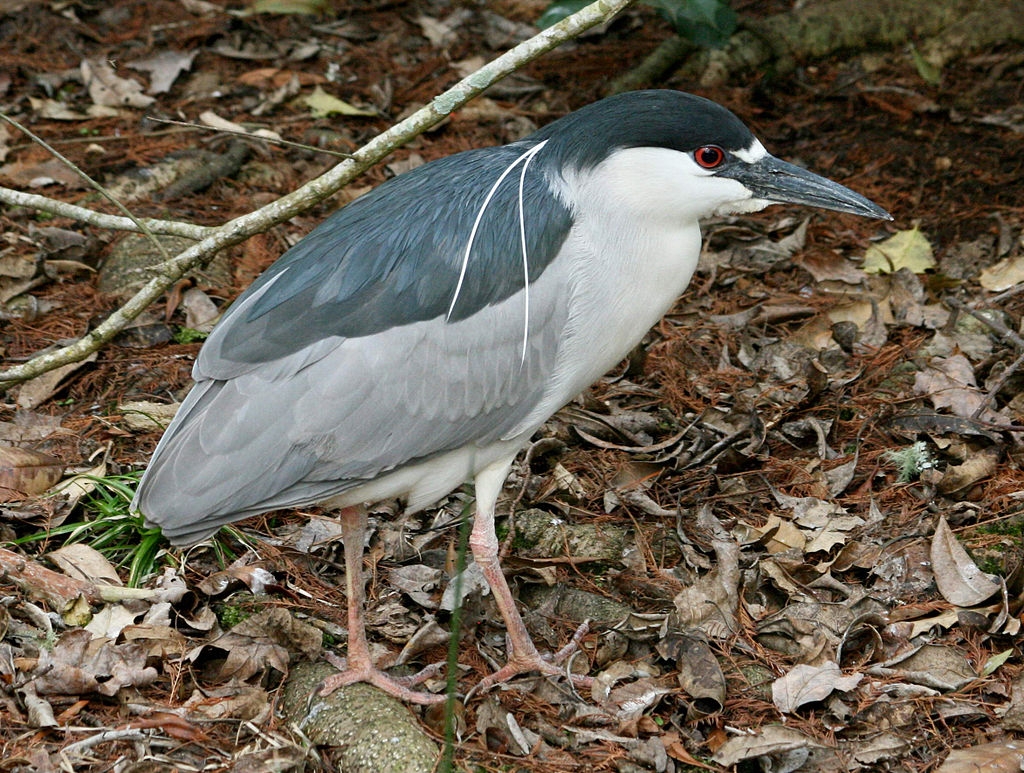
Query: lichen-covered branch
(942, 29)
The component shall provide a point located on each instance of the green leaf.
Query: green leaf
(707, 23)
(187, 335)
(322, 104)
(559, 10)
(307, 7)
(929, 73)
(994, 662)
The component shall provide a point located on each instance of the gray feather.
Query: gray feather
(393, 257)
(343, 411)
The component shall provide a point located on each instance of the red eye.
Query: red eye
(709, 156)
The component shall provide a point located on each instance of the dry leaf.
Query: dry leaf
(78, 486)
(55, 110)
(631, 700)
(995, 757)
(79, 664)
(945, 619)
(108, 90)
(906, 249)
(1003, 275)
(960, 580)
(147, 416)
(164, 68)
(807, 684)
(940, 668)
(111, 620)
(82, 562)
(26, 473)
(32, 174)
(421, 583)
(234, 701)
(321, 104)
(159, 641)
(305, 7)
(200, 311)
(255, 578)
(978, 466)
(440, 34)
(768, 741)
(210, 118)
(950, 383)
(40, 389)
(700, 675)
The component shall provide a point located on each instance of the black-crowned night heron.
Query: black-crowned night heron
(418, 337)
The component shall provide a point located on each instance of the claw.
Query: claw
(395, 686)
(525, 659)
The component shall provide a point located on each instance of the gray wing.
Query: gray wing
(394, 257)
(340, 363)
(328, 418)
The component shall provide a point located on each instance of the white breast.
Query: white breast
(632, 251)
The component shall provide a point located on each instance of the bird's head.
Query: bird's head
(668, 154)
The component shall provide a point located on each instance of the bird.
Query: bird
(420, 335)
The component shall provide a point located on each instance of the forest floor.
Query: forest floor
(794, 516)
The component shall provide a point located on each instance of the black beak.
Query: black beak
(778, 181)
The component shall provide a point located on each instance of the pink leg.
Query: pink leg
(358, 667)
(483, 542)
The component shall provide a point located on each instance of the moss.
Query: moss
(232, 613)
(1010, 527)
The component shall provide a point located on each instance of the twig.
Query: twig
(288, 206)
(1017, 289)
(252, 136)
(994, 323)
(1008, 335)
(56, 588)
(106, 736)
(92, 183)
(101, 220)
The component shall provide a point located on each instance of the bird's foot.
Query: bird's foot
(397, 686)
(525, 658)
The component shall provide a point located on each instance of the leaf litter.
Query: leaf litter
(794, 518)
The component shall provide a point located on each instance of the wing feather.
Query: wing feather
(310, 426)
(345, 360)
(394, 257)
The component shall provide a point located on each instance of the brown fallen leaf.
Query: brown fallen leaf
(170, 724)
(978, 466)
(107, 89)
(959, 579)
(995, 757)
(235, 700)
(700, 675)
(264, 640)
(40, 389)
(83, 562)
(769, 741)
(950, 382)
(808, 684)
(935, 666)
(26, 473)
(160, 641)
(79, 664)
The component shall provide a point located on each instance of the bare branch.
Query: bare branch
(99, 219)
(316, 190)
